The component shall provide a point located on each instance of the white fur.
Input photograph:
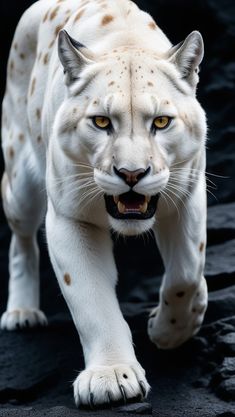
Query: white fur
(56, 158)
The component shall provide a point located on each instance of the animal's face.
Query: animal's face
(134, 118)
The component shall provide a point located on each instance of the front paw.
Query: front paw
(105, 385)
(22, 318)
(178, 317)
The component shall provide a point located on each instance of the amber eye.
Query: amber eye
(102, 122)
(161, 122)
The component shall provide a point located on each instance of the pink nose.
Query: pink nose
(131, 177)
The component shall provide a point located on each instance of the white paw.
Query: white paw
(178, 317)
(22, 318)
(102, 385)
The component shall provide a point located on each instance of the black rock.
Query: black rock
(226, 389)
(136, 408)
(226, 344)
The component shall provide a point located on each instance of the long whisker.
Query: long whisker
(167, 195)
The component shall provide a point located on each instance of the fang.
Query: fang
(121, 207)
(143, 207)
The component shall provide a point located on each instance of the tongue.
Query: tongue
(132, 200)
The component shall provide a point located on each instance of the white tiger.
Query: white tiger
(104, 132)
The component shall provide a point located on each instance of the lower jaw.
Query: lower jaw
(130, 227)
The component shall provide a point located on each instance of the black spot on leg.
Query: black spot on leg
(166, 303)
(125, 376)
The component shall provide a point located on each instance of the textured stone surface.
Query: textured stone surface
(136, 408)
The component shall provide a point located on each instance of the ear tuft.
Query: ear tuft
(72, 56)
(188, 55)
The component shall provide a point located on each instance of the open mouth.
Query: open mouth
(131, 205)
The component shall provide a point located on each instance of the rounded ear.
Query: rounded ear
(188, 55)
(73, 55)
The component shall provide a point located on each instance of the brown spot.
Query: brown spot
(45, 59)
(15, 46)
(194, 310)
(180, 294)
(201, 247)
(152, 25)
(107, 19)
(109, 72)
(57, 29)
(39, 139)
(12, 65)
(38, 114)
(166, 102)
(111, 83)
(95, 102)
(166, 302)
(11, 152)
(46, 16)
(54, 12)
(22, 56)
(150, 84)
(79, 14)
(21, 137)
(51, 43)
(173, 321)
(128, 11)
(67, 279)
(68, 11)
(32, 86)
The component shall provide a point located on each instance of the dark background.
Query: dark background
(138, 261)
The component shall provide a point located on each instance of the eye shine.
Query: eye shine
(102, 122)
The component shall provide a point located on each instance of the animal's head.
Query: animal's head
(132, 115)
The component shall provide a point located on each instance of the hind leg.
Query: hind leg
(24, 206)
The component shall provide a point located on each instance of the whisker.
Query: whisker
(167, 195)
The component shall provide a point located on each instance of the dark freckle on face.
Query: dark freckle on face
(180, 294)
